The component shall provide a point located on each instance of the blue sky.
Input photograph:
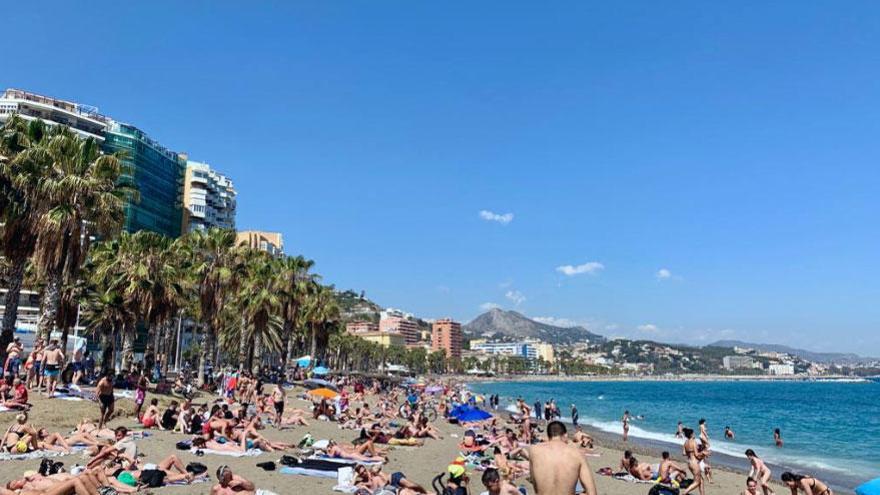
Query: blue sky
(733, 146)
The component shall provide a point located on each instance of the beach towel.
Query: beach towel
(249, 453)
(4, 409)
(308, 472)
(37, 454)
(341, 460)
(200, 479)
(260, 491)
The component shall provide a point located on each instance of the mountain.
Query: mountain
(508, 325)
(816, 357)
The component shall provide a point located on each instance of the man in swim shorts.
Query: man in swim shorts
(106, 398)
(53, 360)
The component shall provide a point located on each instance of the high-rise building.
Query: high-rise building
(446, 336)
(361, 327)
(208, 198)
(158, 174)
(270, 242)
(156, 171)
(83, 119)
(393, 320)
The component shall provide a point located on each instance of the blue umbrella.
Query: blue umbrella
(869, 487)
(304, 361)
(473, 415)
(320, 370)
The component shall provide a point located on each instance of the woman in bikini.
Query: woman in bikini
(808, 484)
(21, 437)
(759, 472)
(690, 451)
(777, 437)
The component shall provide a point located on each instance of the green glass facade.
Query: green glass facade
(158, 174)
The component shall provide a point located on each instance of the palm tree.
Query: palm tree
(322, 316)
(292, 280)
(212, 259)
(19, 214)
(81, 195)
(260, 305)
(104, 314)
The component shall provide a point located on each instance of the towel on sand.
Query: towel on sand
(249, 453)
(308, 472)
(342, 460)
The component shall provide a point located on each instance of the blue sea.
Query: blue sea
(829, 428)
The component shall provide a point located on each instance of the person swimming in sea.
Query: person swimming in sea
(679, 433)
(777, 437)
(728, 433)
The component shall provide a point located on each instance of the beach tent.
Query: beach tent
(304, 361)
(869, 487)
(320, 371)
(465, 413)
(324, 392)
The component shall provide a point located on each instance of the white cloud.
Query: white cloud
(663, 274)
(648, 328)
(491, 216)
(591, 268)
(486, 306)
(556, 322)
(515, 296)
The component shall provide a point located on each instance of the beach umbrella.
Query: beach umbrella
(869, 487)
(320, 370)
(304, 361)
(324, 392)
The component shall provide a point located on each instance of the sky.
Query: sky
(678, 171)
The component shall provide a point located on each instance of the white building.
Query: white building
(521, 349)
(83, 119)
(738, 362)
(781, 369)
(208, 198)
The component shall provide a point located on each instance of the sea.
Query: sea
(831, 429)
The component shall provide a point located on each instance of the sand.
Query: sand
(420, 464)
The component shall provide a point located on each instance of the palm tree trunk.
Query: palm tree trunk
(285, 343)
(258, 354)
(314, 345)
(107, 354)
(49, 304)
(10, 311)
(129, 331)
(207, 350)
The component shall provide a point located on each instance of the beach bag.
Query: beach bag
(153, 478)
(662, 490)
(289, 460)
(196, 468)
(267, 466)
(183, 445)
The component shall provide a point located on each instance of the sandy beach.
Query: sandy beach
(420, 464)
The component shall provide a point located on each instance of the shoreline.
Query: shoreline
(737, 465)
(661, 378)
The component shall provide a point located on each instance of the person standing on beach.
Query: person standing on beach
(54, 358)
(106, 399)
(759, 472)
(625, 425)
(278, 398)
(690, 451)
(556, 467)
(574, 415)
(538, 410)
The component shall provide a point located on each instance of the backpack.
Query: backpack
(153, 478)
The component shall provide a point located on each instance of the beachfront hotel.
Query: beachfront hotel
(358, 327)
(446, 336)
(270, 242)
(208, 198)
(156, 171)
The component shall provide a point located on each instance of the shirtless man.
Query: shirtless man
(278, 401)
(231, 484)
(557, 467)
(497, 486)
(35, 373)
(625, 421)
(669, 470)
(104, 390)
(13, 357)
(728, 433)
(78, 367)
(53, 360)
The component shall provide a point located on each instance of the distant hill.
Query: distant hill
(510, 325)
(354, 306)
(816, 357)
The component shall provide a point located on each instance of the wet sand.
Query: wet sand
(420, 464)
